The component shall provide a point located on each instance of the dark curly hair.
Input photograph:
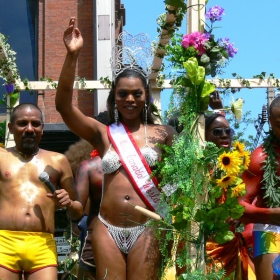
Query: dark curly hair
(81, 150)
(128, 73)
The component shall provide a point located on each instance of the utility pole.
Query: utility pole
(270, 96)
(195, 22)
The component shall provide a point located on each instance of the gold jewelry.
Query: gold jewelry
(25, 155)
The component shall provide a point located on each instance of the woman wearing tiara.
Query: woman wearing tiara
(123, 247)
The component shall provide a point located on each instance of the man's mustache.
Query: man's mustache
(28, 136)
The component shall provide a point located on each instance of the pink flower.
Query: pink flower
(195, 39)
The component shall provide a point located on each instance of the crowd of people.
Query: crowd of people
(101, 196)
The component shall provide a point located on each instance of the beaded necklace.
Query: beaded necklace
(27, 155)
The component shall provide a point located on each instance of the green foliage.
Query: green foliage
(8, 68)
(186, 165)
(106, 81)
(200, 275)
(240, 129)
(26, 83)
(69, 264)
(82, 81)
(13, 99)
(176, 3)
(179, 13)
(49, 81)
(8, 71)
(3, 129)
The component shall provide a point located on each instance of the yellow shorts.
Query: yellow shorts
(27, 251)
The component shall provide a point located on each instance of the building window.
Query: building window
(19, 21)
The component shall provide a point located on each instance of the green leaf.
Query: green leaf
(224, 237)
(200, 216)
(176, 210)
(179, 217)
(205, 58)
(221, 226)
(186, 213)
(203, 105)
(175, 3)
(200, 75)
(207, 88)
(219, 213)
(13, 99)
(237, 211)
(191, 66)
(215, 49)
(3, 102)
(195, 73)
(187, 201)
(180, 225)
(216, 191)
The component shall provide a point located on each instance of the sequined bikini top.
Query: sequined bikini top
(111, 160)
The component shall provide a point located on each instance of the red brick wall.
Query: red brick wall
(53, 19)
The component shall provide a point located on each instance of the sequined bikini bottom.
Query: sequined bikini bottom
(125, 238)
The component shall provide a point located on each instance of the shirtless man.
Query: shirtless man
(266, 232)
(27, 206)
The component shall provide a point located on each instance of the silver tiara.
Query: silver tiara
(132, 52)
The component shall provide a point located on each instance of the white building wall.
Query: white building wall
(105, 40)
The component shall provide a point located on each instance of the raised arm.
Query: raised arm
(83, 126)
(215, 101)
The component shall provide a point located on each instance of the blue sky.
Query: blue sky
(251, 24)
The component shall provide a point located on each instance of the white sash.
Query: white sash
(136, 166)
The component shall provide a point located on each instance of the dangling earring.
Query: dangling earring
(116, 114)
(145, 113)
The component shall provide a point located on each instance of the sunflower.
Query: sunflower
(238, 190)
(246, 159)
(226, 181)
(240, 147)
(230, 162)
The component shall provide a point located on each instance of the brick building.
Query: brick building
(35, 32)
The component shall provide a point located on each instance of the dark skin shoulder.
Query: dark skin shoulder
(89, 186)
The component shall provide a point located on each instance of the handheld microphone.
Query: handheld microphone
(45, 178)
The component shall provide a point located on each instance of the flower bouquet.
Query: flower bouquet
(212, 54)
(9, 73)
(206, 178)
